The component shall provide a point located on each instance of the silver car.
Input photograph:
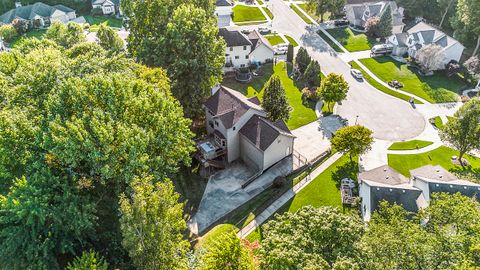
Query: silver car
(357, 74)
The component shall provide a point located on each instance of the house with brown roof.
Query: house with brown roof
(239, 129)
(386, 184)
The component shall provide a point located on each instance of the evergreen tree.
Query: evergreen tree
(385, 24)
(109, 39)
(275, 101)
(88, 261)
(313, 75)
(302, 59)
(290, 53)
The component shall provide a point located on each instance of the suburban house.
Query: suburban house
(243, 49)
(38, 14)
(223, 11)
(237, 128)
(359, 11)
(386, 184)
(108, 7)
(424, 34)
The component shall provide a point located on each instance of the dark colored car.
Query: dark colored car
(340, 22)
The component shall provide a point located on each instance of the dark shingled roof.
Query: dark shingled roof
(229, 105)
(384, 175)
(262, 133)
(465, 190)
(402, 38)
(427, 36)
(435, 173)
(223, 3)
(443, 41)
(404, 197)
(234, 38)
(30, 11)
(254, 100)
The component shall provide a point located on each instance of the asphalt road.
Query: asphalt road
(390, 118)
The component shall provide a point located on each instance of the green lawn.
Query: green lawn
(324, 189)
(243, 13)
(269, 13)
(260, 2)
(291, 41)
(274, 39)
(97, 20)
(437, 122)
(33, 33)
(212, 235)
(311, 12)
(409, 145)
(353, 42)
(440, 156)
(300, 13)
(440, 87)
(300, 114)
(332, 44)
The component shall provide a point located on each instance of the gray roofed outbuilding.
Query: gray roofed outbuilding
(436, 173)
(261, 132)
(384, 175)
(234, 38)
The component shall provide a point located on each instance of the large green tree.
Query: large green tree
(302, 59)
(355, 140)
(65, 35)
(469, 14)
(333, 89)
(95, 122)
(152, 224)
(182, 37)
(275, 100)
(310, 237)
(463, 130)
(90, 260)
(313, 75)
(109, 39)
(385, 23)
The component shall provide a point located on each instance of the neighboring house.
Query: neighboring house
(243, 50)
(108, 7)
(239, 130)
(224, 11)
(424, 34)
(386, 184)
(359, 11)
(39, 14)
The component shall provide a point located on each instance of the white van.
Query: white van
(382, 49)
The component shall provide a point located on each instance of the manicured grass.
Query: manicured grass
(332, 44)
(380, 86)
(274, 39)
(97, 20)
(327, 108)
(269, 13)
(243, 13)
(300, 114)
(324, 189)
(33, 33)
(260, 2)
(437, 122)
(442, 88)
(409, 145)
(353, 42)
(250, 23)
(310, 9)
(212, 235)
(291, 41)
(440, 156)
(300, 13)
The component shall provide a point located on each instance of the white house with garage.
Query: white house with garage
(237, 128)
(359, 11)
(244, 49)
(423, 34)
(224, 11)
(386, 184)
(108, 7)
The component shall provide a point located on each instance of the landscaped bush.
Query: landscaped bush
(8, 32)
(308, 94)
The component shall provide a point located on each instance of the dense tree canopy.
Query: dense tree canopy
(109, 39)
(275, 100)
(355, 140)
(77, 126)
(333, 89)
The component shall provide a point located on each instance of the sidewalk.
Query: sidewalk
(260, 219)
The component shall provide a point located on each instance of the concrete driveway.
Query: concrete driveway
(390, 118)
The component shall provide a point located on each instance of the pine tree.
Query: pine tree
(275, 101)
(313, 75)
(290, 53)
(385, 24)
(302, 60)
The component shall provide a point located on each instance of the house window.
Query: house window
(242, 65)
(210, 123)
(231, 49)
(237, 57)
(216, 123)
(246, 56)
(223, 143)
(233, 128)
(244, 48)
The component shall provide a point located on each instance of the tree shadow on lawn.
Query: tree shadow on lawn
(257, 83)
(347, 170)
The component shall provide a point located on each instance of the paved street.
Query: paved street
(390, 118)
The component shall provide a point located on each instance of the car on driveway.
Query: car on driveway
(281, 48)
(340, 22)
(357, 74)
(264, 30)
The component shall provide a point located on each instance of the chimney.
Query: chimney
(18, 4)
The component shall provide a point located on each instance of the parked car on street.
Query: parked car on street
(357, 74)
(281, 48)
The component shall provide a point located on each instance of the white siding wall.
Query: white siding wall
(241, 53)
(250, 154)
(261, 54)
(233, 139)
(453, 53)
(280, 148)
(397, 29)
(209, 118)
(364, 193)
(423, 186)
(221, 11)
